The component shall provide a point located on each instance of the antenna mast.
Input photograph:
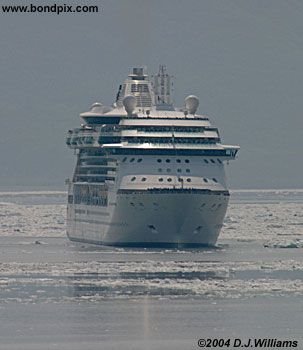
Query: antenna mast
(162, 87)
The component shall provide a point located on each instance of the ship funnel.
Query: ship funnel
(191, 104)
(129, 103)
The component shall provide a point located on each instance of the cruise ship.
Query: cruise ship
(147, 174)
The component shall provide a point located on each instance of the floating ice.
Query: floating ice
(284, 244)
(273, 220)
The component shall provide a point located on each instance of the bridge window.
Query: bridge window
(139, 88)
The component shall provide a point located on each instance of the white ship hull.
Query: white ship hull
(147, 174)
(168, 219)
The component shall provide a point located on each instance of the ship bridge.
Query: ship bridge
(138, 86)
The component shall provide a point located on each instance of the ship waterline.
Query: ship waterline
(147, 174)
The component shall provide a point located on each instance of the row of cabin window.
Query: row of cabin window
(139, 160)
(157, 205)
(177, 160)
(170, 129)
(89, 200)
(94, 179)
(110, 128)
(160, 179)
(169, 170)
(195, 140)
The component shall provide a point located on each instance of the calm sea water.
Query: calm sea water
(55, 294)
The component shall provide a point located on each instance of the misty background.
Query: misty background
(243, 59)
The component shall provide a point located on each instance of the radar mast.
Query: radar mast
(162, 89)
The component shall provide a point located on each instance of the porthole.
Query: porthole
(132, 204)
(213, 205)
(160, 170)
(204, 179)
(167, 160)
(188, 180)
(143, 179)
(179, 170)
(206, 161)
(124, 159)
(215, 180)
(213, 161)
(139, 160)
(133, 178)
(186, 160)
(180, 179)
(159, 160)
(178, 160)
(168, 170)
(219, 161)
(132, 160)
(160, 179)
(169, 179)
(187, 170)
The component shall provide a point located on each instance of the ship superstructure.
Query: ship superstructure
(147, 174)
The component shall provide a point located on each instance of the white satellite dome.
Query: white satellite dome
(129, 103)
(96, 107)
(191, 104)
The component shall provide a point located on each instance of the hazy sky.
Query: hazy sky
(244, 59)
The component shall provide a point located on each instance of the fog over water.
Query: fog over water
(242, 58)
